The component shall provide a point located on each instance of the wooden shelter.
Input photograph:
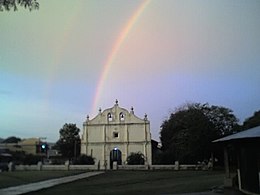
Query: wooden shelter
(246, 145)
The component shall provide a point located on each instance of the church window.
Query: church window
(115, 134)
(122, 116)
(109, 117)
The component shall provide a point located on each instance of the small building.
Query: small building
(114, 134)
(246, 145)
(28, 146)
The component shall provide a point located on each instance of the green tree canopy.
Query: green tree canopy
(222, 118)
(187, 134)
(13, 4)
(135, 159)
(252, 121)
(69, 142)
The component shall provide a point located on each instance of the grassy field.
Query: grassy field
(141, 182)
(8, 179)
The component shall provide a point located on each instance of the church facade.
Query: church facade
(114, 134)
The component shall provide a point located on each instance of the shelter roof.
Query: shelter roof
(247, 134)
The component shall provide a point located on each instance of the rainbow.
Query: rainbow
(116, 47)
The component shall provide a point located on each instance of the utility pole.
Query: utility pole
(75, 149)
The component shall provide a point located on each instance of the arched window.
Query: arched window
(109, 117)
(121, 116)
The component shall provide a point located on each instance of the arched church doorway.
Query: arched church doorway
(115, 156)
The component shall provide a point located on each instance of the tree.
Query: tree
(186, 136)
(69, 142)
(135, 159)
(12, 4)
(252, 121)
(12, 139)
(223, 118)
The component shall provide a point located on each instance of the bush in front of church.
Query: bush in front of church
(84, 160)
(135, 159)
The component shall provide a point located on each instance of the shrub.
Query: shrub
(84, 160)
(31, 159)
(135, 159)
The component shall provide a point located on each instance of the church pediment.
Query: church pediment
(115, 115)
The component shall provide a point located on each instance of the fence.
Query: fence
(67, 166)
(41, 167)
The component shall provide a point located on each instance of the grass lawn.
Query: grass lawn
(8, 179)
(141, 182)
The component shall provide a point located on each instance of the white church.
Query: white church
(114, 134)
